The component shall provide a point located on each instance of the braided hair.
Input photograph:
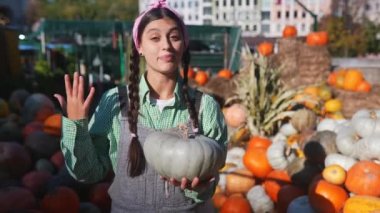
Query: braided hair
(136, 158)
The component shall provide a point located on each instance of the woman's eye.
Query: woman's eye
(175, 38)
(155, 38)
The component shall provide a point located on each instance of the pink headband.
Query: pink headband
(157, 4)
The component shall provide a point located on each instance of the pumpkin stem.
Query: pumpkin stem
(372, 114)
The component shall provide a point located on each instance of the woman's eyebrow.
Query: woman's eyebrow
(157, 29)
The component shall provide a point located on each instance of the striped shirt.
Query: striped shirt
(90, 147)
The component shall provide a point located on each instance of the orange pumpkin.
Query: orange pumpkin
(201, 77)
(274, 181)
(317, 38)
(53, 125)
(326, 197)
(289, 31)
(235, 115)
(258, 142)
(286, 195)
(256, 161)
(61, 200)
(190, 73)
(225, 73)
(265, 48)
(239, 181)
(334, 174)
(331, 80)
(363, 178)
(218, 199)
(99, 196)
(364, 86)
(352, 79)
(236, 204)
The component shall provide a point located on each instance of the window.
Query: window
(207, 22)
(217, 3)
(255, 2)
(207, 10)
(367, 7)
(295, 14)
(303, 15)
(232, 2)
(196, 17)
(175, 5)
(265, 28)
(182, 4)
(189, 17)
(278, 14)
(239, 2)
(224, 16)
(247, 2)
(254, 27)
(246, 27)
(287, 14)
(217, 16)
(303, 27)
(278, 27)
(265, 15)
(224, 3)
(196, 3)
(190, 4)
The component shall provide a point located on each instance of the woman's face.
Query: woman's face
(162, 46)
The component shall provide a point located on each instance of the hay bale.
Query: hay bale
(221, 88)
(301, 64)
(353, 101)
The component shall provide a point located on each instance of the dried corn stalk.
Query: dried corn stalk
(260, 91)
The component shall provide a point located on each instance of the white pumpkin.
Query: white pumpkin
(278, 157)
(235, 156)
(259, 200)
(279, 137)
(327, 124)
(366, 122)
(346, 139)
(173, 155)
(368, 148)
(300, 204)
(341, 160)
(288, 129)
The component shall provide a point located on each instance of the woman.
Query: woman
(160, 99)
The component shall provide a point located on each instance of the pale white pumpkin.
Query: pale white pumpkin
(235, 156)
(259, 200)
(173, 155)
(288, 129)
(300, 204)
(346, 139)
(341, 160)
(279, 137)
(327, 124)
(368, 148)
(366, 122)
(278, 156)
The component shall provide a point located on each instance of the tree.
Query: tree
(125, 10)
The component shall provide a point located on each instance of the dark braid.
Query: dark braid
(136, 158)
(189, 102)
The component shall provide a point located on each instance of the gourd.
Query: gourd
(239, 181)
(326, 197)
(364, 178)
(173, 154)
(61, 199)
(275, 180)
(278, 155)
(288, 129)
(368, 148)
(364, 203)
(334, 174)
(235, 115)
(235, 156)
(366, 122)
(236, 203)
(259, 200)
(304, 119)
(346, 139)
(300, 204)
(341, 160)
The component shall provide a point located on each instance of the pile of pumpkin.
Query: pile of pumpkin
(349, 79)
(201, 77)
(32, 172)
(312, 164)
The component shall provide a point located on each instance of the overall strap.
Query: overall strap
(197, 101)
(123, 100)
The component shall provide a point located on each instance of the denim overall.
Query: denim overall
(147, 192)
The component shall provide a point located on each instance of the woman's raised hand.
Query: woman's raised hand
(76, 105)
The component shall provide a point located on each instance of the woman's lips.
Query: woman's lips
(167, 58)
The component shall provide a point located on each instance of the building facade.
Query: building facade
(255, 17)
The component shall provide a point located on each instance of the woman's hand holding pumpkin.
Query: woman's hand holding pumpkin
(76, 105)
(195, 184)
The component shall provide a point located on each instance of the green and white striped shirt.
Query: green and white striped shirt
(90, 148)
